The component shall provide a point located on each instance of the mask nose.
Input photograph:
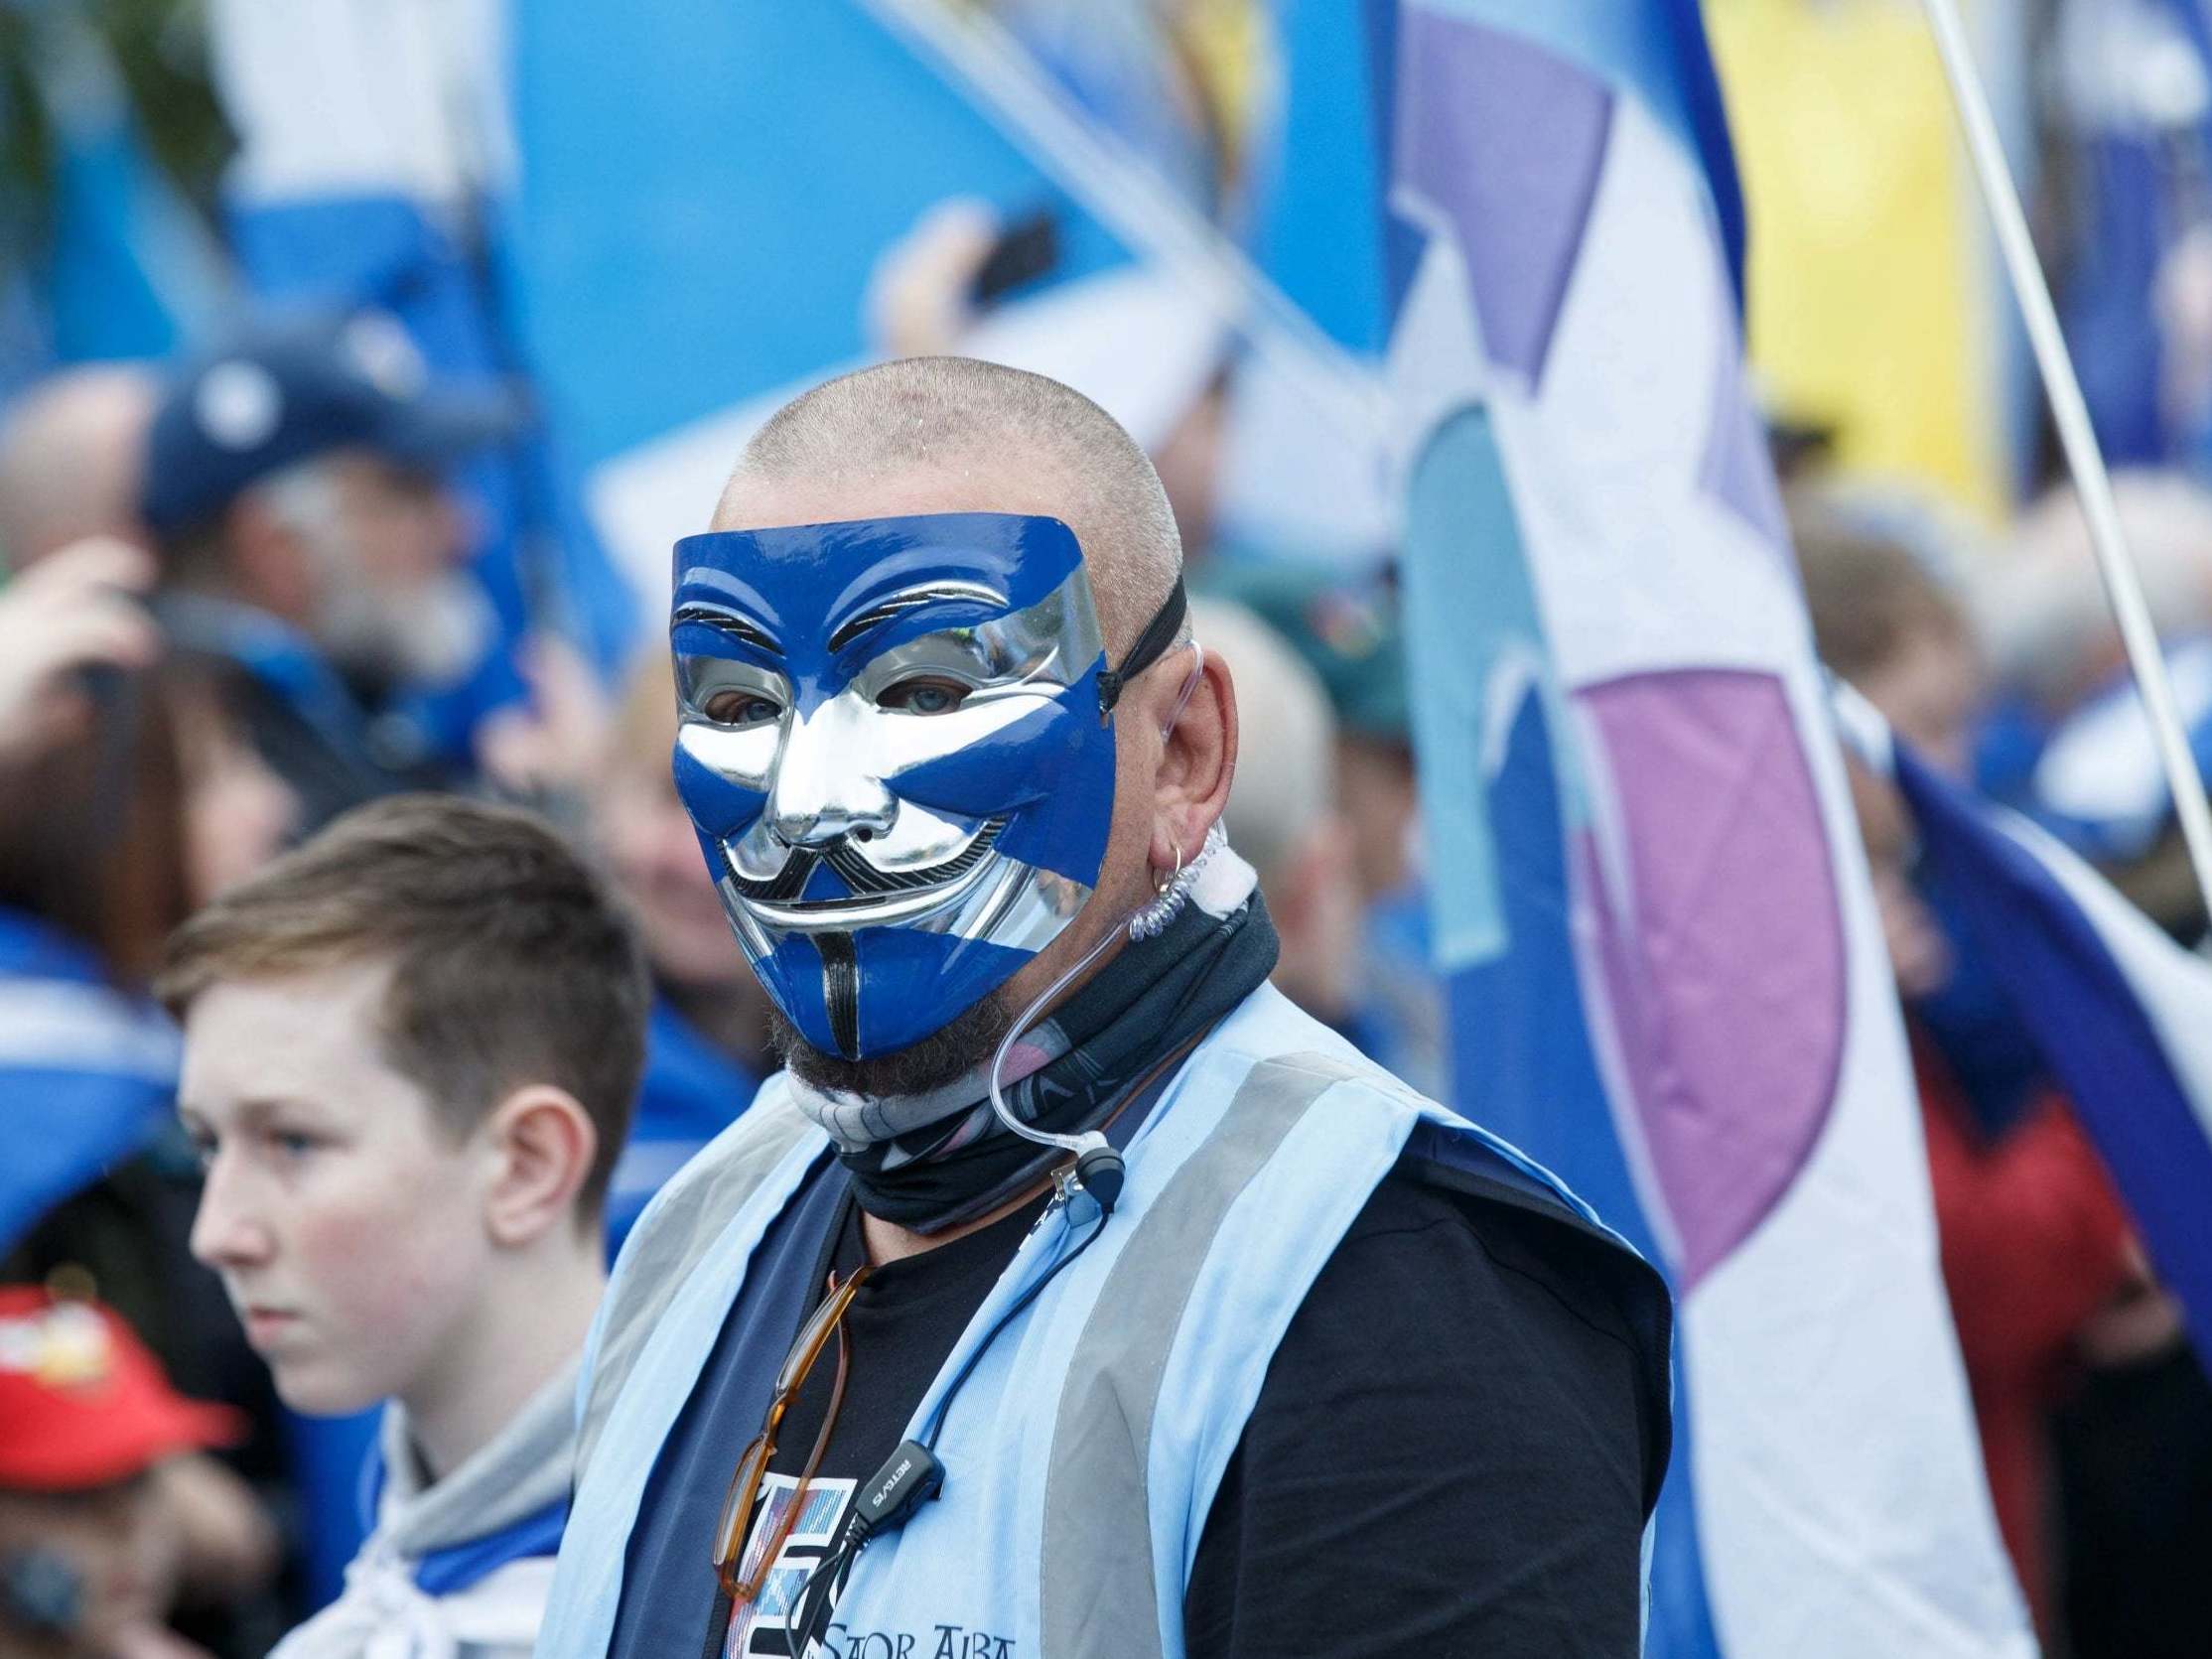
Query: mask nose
(821, 792)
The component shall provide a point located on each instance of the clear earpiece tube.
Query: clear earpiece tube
(1098, 1166)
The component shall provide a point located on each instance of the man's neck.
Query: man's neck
(524, 1329)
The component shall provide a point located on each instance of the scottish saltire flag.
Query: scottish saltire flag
(2118, 1013)
(1666, 975)
(128, 270)
(87, 1075)
(685, 263)
(686, 259)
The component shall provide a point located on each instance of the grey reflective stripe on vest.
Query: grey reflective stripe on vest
(668, 1242)
(1098, 1595)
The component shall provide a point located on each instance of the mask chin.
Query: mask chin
(881, 991)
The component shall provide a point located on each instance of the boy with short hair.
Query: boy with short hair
(411, 1049)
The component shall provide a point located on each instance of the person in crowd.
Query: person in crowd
(130, 798)
(1282, 816)
(62, 626)
(2036, 1248)
(125, 796)
(294, 491)
(884, 1371)
(71, 455)
(2071, 745)
(2042, 608)
(2070, 742)
(88, 1563)
(1347, 632)
(411, 1047)
(707, 1040)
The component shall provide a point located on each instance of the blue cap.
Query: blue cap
(283, 394)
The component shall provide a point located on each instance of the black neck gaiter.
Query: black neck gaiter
(1075, 1071)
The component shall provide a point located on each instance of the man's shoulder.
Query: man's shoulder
(1466, 1220)
(1269, 1038)
(674, 1234)
(1461, 1284)
(1419, 1221)
(722, 1172)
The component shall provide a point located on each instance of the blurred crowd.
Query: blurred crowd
(234, 581)
(241, 588)
(230, 576)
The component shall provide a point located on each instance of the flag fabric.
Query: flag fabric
(128, 270)
(87, 1074)
(663, 331)
(1665, 973)
(684, 262)
(2118, 1015)
(1880, 322)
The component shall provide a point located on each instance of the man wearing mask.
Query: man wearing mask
(1070, 1293)
(294, 488)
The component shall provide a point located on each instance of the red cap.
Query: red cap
(82, 1404)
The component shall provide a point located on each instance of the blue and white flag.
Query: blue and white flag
(1666, 974)
(685, 263)
(87, 1074)
(685, 260)
(2117, 1014)
(127, 269)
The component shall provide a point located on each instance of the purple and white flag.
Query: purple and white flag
(1666, 974)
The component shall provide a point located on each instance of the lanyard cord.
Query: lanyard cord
(807, 1609)
(913, 1468)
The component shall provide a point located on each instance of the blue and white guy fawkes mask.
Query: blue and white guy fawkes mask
(896, 748)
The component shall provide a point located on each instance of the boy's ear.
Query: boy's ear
(543, 1144)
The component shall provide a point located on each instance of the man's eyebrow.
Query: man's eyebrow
(907, 598)
(734, 623)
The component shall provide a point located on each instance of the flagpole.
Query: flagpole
(2092, 482)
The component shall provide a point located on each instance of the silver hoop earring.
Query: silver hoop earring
(1161, 885)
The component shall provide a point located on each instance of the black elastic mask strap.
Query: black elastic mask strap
(1150, 647)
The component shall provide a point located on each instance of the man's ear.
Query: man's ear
(1197, 759)
(542, 1144)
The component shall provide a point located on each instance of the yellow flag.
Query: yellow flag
(1871, 312)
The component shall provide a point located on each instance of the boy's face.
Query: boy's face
(346, 1222)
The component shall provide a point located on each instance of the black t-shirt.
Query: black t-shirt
(1454, 1451)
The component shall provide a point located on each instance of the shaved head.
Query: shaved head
(71, 457)
(956, 435)
(951, 435)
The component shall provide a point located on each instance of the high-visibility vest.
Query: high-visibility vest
(1083, 1451)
